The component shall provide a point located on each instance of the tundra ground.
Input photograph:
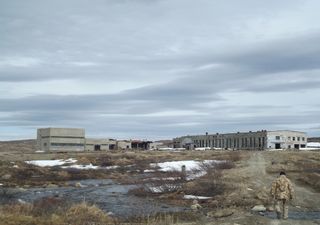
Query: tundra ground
(244, 185)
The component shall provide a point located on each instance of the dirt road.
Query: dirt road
(305, 200)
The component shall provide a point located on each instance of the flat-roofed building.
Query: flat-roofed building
(95, 144)
(61, 139)
(259, 140)
(124, 145)
(286, 139)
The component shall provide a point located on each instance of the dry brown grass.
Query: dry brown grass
(302, 166)
(80, 214)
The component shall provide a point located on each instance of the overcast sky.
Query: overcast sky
(159, 69)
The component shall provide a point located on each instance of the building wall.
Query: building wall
(286, 139)
(245, 140)
(61, 139)
(123, 145)
(313, 139)
(93, 144)
(258, 140)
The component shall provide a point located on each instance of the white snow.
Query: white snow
(171, 149)
(15, 166)
(39, 151)
(202, 148)
(71, 162)
(193, 168)
(113, 167)
(1, 184)
(149, 171)
(50, 163)
(196, 197)
(313, 145)
(176, 165)
(82, 167)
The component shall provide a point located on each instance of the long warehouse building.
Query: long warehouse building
(259, 140)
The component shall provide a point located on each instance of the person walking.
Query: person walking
(282, 192)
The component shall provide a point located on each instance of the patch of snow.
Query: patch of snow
(1, 184)
(15, 166)
(82, 167)
(196, 197)
(164, 178)
(313, 145)
(155, 189)
(176, 165)
(50, 163)
(193, 168)
(163, 188)
(195, 175)
(21, 201)
(171, 149)
(149, 171)
(39, 151)
(309, 149)
(110, 167)
(202, 148)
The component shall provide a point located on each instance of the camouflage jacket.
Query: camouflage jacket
(282, 188)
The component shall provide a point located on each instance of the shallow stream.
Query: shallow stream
(109, 196)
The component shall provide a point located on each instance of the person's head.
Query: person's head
(282, 173)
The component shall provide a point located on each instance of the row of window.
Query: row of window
(292, 138)
(232, 143)
(67, 145)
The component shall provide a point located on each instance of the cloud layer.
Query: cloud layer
(158, 69)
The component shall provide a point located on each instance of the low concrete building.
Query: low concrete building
(286, 139)
(60, 139)
(94, 144)
(259, 140)
(124, 145)
(140, 145)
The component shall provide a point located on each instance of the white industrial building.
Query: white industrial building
(259, 140)
(286, 139)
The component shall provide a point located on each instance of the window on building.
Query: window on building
(298, 138)
(67, 144)
(277, 137)
(303, 139)
(293, 138)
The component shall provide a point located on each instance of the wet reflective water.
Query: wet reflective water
(296, 215)
(109, 196)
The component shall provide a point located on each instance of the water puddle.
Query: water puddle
(296, 215)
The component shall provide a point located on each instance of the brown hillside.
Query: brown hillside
(24, 146)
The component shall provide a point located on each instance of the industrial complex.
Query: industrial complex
(259, 140)
(73, 139)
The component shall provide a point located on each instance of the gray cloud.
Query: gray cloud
(159, 69)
